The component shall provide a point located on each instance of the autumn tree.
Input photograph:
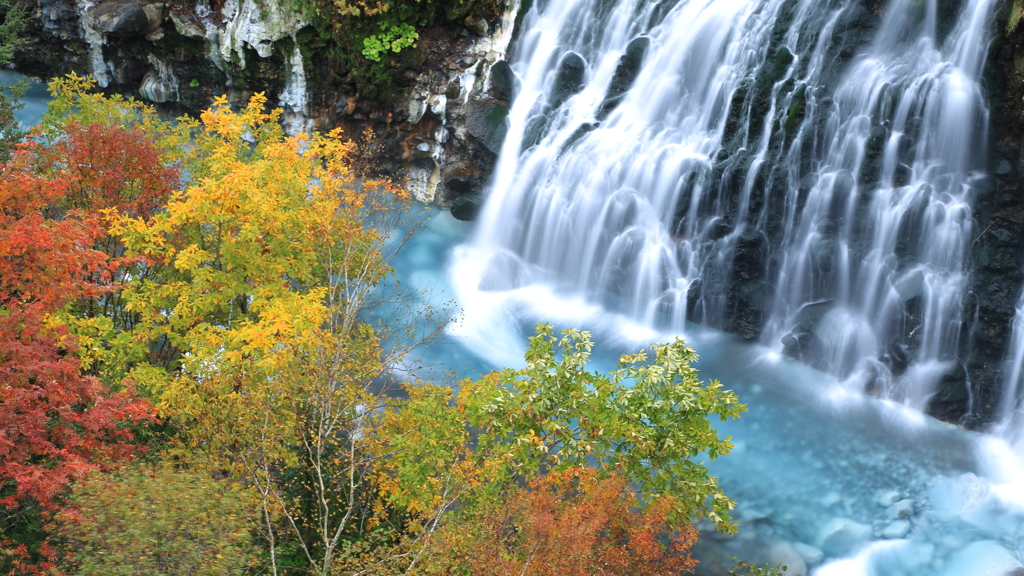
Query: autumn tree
(56, 423)
(573, 522)
(153, 521)
(121, 160)
(276, 257)
(647, 423)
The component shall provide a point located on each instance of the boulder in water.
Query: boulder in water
(811, 314)
(910, 284)
(569, 79)
(888, 498)
(811, 555)
(902, 509)
(897, 529)
(784, 553)
(952, 385)
(842, 535)
(504, 272)
(504, 83)
(625, 74)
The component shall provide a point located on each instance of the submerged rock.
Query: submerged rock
(785, 554)
(986, 558)
(841, 535)
(811, 555)
(897, 529)
(625, 74)
(902, 509)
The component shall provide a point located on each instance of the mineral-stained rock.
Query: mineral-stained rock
(125, 18)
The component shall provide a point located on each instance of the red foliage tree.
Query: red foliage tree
(55, 423)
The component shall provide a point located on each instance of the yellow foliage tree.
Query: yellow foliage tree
(277, 253)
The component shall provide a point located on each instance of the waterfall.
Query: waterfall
(1011, 425)
(295, 96)
(770, 167)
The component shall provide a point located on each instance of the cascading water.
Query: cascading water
(795, 170)
(886, 248)
(733, 163)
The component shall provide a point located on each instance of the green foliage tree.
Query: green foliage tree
(376, 30)
(649, 420)
(13, 18)
(156, 521)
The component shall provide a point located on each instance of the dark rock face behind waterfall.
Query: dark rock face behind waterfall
(998, 253)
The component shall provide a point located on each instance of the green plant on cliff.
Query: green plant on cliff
(377, 28)
(1016, 12)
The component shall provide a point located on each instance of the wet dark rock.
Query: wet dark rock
(798, 343)
(536, 126)
(871, 167)
(488, 123)
(951, 394)
(899, 357)
(796, 112)
(749, 297)
(504, 83)
(467, 207)
(997, 260)
(578, 134)
(569, 79)
(811, 314)
(625, 74)
(719, 229)
(125, 18)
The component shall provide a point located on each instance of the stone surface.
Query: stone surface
(896, 529)
(841, 535)
(902, 509)
(888, 498)
(125, 18)
(785, 554)
(810, 555)
(568, 79)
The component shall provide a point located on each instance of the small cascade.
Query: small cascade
(96, 41)
(755, 166)
(1010, 416)
(159, 84)
(295, 98)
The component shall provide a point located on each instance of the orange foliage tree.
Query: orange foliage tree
(572, 522)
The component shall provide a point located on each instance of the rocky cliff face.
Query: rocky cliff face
(438, 130)
(997, 255)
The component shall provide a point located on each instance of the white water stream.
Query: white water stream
(765, 136)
